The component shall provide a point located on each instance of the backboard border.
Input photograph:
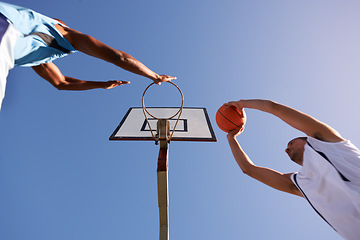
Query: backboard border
(211, 139)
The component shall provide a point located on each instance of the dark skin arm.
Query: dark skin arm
(51, 73)
(93, 47)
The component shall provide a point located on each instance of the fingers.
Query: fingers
(164, 78)
(118, 83)
(231, 103)
(236, 132)
(112, 84)
(124, 82)
(236, 104)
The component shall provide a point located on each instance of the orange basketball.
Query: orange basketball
(229, 118)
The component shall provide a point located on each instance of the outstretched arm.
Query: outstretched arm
(93, 47)
(51, 73)
(267, 176)
(301, 121)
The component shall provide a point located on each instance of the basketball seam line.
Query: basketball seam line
(228, 119)
(240, 115)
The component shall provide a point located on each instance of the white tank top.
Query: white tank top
(330, 181)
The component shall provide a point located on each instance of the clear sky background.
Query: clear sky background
(60, 176)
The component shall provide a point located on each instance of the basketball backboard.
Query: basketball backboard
(193, 125)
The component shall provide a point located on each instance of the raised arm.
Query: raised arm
(51, 73)
(267, 176)
(301, 121)
(93, 47)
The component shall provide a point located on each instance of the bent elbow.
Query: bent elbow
(246, 168)
(249, 172)
(60, 86)
(245, 171)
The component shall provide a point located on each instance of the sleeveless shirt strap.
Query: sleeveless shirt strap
(50, 41)
(327, 159)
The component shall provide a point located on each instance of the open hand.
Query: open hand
(163, 78)
(114, 83)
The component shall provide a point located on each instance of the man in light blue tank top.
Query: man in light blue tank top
(30, 39)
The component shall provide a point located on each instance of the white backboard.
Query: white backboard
(194, 124)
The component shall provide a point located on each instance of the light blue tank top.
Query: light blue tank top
(40, 42)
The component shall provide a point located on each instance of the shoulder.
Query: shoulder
(292, 188)
(318, 138)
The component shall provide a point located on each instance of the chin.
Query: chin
(296, 159)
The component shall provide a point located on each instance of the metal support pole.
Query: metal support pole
(162, 178)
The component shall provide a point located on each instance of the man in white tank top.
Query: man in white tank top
(330, 175)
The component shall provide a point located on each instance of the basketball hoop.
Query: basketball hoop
(168, 136)
(194, 125)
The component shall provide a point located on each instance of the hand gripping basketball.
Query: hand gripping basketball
(229, 118)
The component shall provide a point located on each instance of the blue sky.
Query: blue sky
(60, 176)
